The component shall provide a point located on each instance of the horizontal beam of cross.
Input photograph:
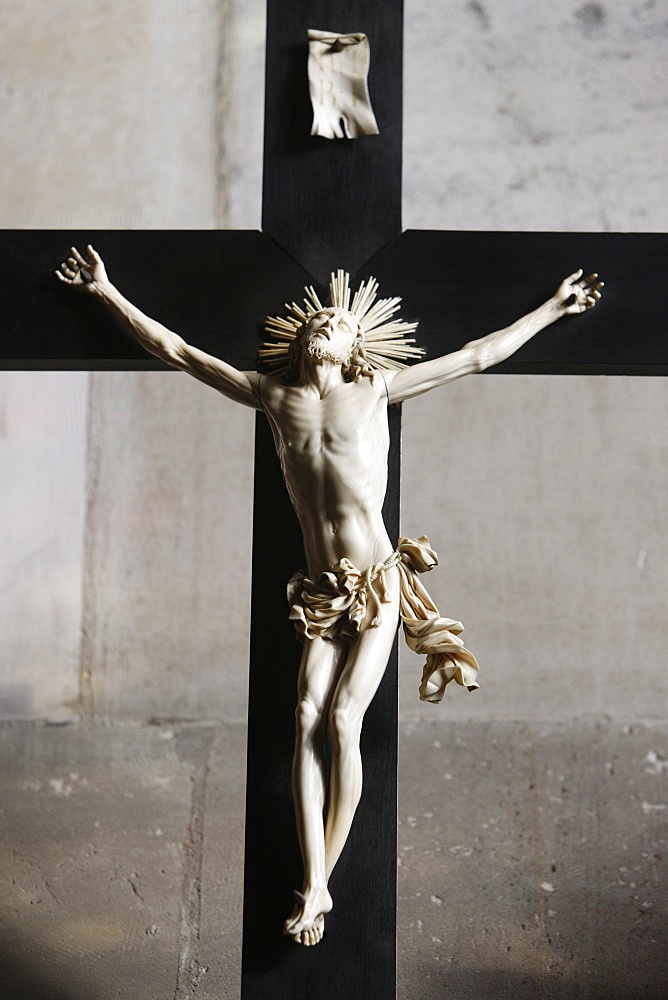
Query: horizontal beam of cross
(215, 289)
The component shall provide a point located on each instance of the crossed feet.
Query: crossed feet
(306, 925)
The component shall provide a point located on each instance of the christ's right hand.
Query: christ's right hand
(88, 276)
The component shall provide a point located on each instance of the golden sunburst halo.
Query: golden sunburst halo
(387, 339)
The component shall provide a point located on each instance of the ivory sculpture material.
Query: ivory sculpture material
(337, 71)
(340, 367)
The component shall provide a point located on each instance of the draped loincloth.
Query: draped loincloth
(335, 607)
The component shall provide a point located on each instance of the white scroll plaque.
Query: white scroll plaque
(337, 72)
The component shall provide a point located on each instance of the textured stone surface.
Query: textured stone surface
(521, 117)
(109, 114)
(532, 861)
(167, 577)
(548, 520)
(42, 512)
(94, 862)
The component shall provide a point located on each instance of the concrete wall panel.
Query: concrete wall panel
(42, 510)
(545, 503)
(521, 116)
(109, 114)
(168, 549)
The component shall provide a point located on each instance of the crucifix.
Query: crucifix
(327, 206)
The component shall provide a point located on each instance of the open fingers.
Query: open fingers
(592, 293)
(587, 291)
(583, 282)
(79, 259)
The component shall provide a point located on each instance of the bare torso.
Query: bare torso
(333, 451)
(332, 439)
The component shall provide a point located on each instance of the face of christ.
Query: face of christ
(331, 334)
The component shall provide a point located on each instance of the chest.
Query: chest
(351, 417)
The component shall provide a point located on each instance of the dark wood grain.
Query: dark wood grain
(213, 288)
(216, 288)
(331, 203)
(463, 285)
(357, 958)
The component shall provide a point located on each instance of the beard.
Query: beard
(316, 349)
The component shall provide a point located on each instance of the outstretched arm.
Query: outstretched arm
(574, 295)
(91, 277)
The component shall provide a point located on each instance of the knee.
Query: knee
(345, 727)
(308, 718)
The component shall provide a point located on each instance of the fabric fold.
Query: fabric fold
(335, 606)
(338, 65)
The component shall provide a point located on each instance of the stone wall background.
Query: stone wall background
(126, 497)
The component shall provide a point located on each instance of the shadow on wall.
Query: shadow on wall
(606, 948)
(25, 974)
(482, 983)
(532, 862)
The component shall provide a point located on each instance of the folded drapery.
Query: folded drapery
(337, 72)
(335, 607)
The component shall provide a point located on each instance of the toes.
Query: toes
(309, 936)
(305, 937)
(316, 933)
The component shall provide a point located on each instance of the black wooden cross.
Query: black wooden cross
(327, 204)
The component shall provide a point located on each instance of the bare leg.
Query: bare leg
(318, 675)
(360, 677)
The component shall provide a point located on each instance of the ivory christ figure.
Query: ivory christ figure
(327, 408)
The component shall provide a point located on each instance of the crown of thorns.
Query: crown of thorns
(387, 340)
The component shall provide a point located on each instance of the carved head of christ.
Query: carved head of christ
(332, 334)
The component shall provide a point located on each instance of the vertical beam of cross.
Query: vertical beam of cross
(329, 204)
